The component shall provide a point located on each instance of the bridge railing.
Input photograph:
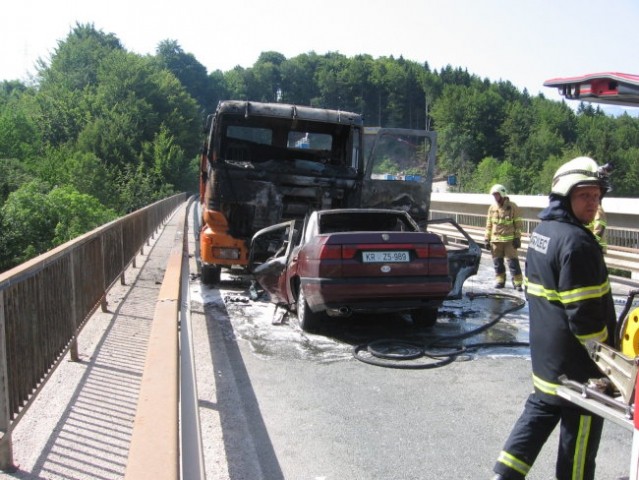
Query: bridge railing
(622, 253)
(45, 302)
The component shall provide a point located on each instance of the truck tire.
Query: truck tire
(309, 321)
(211, 274)
(425, 317)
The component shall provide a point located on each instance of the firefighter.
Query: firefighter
(503, 237)
(598, 227)
(570, 302)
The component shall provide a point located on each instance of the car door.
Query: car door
(399, 166)
(268, 259)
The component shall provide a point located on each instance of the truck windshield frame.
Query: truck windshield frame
(291, 146)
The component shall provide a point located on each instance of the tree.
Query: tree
(595, 134)
(75, 62)
(138, 187)
(66, 83)
(331, 86)
(298, 82)
(35, 219)
(19, 135)
(13, 174)
(265, 79)
(518, 124)
(485, 175)
(543, 182)
(236, 83)
(474, 116)
(77, 213)
(625, 176)
(28, 223)
(171, 166)
(540, 146)
(218, 90)
(191, 73)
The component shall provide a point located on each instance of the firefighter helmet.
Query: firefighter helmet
(579, 171)
(497, 188)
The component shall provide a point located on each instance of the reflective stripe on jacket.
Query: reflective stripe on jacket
(569, 298)
(503, 222)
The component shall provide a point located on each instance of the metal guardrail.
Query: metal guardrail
(45, 302)
(618, 256)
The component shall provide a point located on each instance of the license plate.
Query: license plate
(389, 256)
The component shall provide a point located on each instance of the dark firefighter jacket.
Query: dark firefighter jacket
(569, 299)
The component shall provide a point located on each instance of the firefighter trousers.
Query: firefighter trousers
(579, 436)
(499, 251)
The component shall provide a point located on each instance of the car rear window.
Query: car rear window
(364, 222)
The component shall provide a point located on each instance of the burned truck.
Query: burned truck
(265, 163)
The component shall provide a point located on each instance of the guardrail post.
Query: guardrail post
(105, 283)
(6, 445)
(73, 348)
(123, 264)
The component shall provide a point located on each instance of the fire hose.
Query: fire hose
(440, 351)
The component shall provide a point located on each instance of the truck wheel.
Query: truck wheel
(309, 321)
(211, 274)
(425, 317)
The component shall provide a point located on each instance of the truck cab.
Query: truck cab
(263, 163)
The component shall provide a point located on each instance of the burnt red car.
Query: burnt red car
(344, 261)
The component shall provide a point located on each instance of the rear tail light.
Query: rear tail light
(438, 250)
(330, 252)
(337, 252)
(348, 251)
(432, 250)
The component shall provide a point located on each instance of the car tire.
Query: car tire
(425, 317)
(211, 274)
(309, 321)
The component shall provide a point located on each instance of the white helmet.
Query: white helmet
(579, 171)
(497, 188)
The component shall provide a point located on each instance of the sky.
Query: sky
(522, 41)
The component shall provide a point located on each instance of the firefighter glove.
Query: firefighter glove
(517, 242)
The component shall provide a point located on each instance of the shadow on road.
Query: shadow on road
(248, 449)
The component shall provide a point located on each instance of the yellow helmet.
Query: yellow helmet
(579, 171)
(497, 188)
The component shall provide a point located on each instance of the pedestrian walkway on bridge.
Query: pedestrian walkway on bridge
(80, 425)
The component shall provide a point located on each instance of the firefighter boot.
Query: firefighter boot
(500, 272)
(515, 273)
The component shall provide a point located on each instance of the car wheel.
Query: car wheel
(211, 274)
(425, 317)
(309, 321)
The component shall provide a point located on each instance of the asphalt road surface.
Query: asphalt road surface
(278, 403)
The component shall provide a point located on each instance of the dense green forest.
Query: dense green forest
(101, 131)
